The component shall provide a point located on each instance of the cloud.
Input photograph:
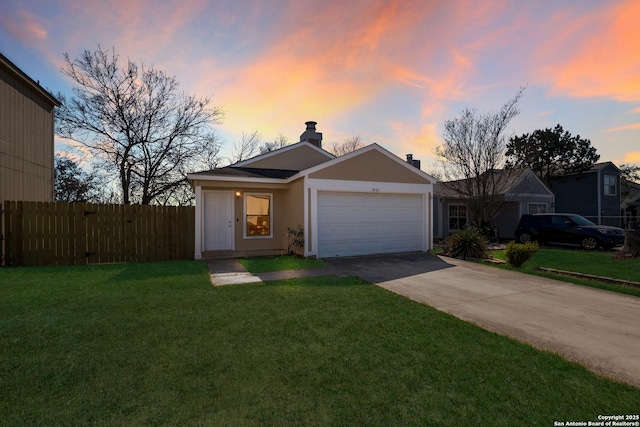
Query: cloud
(633, 157)
(626, 127)
(28, 27)
(597, 54)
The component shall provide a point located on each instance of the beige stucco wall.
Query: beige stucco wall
(288, 211)
(370, 166)
(296, 158)
(294, 208)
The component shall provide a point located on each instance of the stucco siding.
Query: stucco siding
(294, 210)
(370, 166)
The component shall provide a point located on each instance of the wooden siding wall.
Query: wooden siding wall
(26, 142)
(50, 233)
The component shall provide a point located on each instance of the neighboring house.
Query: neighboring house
(26, 136)
(594, 194)
(365, 202)
(630, 208)
(522, 192)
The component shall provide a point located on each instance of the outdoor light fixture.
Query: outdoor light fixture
(237, 193)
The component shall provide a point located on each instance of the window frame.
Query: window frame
(457, 216)
(244, 216)
(546, 207)
(607, 186)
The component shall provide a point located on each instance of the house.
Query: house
(520, 192)
(594, 193)
(365, 202)
(26, 136)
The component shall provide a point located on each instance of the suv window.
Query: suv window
(559, 220)
(543, 220)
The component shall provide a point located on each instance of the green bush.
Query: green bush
(469, 242)
(518, 253)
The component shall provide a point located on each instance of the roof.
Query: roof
(247, 174)
(596, 167)
(235, 171)
(24, 78)
(506, 181)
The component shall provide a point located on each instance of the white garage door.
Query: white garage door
(369, 223)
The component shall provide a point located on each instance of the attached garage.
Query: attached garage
(354, 223)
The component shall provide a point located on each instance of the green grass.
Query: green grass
(156, 344)
(596, 263)
(263, 265)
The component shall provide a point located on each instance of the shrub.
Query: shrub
(296, 240)
(518, 253)
(467, 243)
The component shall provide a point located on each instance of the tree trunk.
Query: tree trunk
(632, 241)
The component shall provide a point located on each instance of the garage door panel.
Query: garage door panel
(364, 223)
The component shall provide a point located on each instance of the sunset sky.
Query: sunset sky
(389, 71)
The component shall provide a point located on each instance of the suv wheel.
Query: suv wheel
(589, 243)
(525, 237)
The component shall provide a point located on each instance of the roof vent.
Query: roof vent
(310, 134)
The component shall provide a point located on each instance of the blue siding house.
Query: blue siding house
(522, 192)
(594, 194)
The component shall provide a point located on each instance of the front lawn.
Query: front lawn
(140, 344)
(287, 262)
(597, 263)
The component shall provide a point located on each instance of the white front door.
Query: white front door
(218, 220)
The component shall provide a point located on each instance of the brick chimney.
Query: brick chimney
(311, 135)
(415, 163)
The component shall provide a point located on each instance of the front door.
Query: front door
(218, 218)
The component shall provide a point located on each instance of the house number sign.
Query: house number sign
(375, 190)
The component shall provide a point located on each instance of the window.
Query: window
(257, 213)
(457, 217)
(534, 208)
(610, 185)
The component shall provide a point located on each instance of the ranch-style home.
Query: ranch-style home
(365, 202)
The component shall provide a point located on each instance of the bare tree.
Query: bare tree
(472, 152)
(247, 147)
(347, 146)
(73, 183)
(136, 122)
(278, 142)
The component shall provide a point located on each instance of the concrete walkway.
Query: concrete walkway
(596, 328)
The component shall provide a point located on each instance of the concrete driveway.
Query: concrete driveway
(598, 329)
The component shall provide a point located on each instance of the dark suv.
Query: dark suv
(568, 228)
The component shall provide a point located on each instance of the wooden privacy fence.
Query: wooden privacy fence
(54, 233)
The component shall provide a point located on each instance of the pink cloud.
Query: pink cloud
(28, 27)
(597, 54)
(633, 157)
(626, 127)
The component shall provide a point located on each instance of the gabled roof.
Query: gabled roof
(507, 181)
(25, 79)
(596, 167)
(240, 172)
(282, 150)
(361, 151)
